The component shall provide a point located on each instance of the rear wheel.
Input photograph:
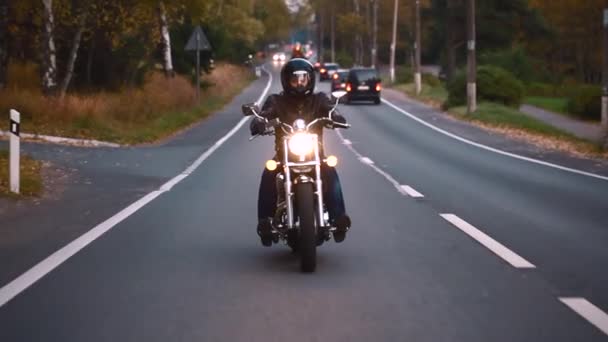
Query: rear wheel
(308, 230)
(377, 100)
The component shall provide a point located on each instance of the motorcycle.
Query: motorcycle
(301, 219)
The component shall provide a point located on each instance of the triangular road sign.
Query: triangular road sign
(201, 44)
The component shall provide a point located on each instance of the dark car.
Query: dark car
(363, 84)
(327, 70)
(338, 80)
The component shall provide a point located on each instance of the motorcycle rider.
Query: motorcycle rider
(298, 100)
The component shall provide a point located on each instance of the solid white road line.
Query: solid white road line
(488, 148)
(18, 285)
(588, 311)
(411, 192)
(367, 160)
(491, 244)
(347, 142)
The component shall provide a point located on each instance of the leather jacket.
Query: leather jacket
(288, 108)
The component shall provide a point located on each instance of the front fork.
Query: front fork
(289, 186)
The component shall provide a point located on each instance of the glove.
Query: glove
(338, 118)
(257, 126)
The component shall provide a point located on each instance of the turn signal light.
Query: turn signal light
(271, 165)
(378, 87)
(332, 161)
(348, 87)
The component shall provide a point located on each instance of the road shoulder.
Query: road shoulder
(495, 138)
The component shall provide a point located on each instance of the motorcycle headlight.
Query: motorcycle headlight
(301, 144)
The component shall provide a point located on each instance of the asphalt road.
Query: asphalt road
(188, 266)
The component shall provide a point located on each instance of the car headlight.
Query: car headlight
(301, 144)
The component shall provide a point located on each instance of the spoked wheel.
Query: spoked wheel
(308, 228)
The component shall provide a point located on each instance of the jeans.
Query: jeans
(332, 193)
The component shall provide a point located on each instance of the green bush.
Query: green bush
(551, 90)
(541, 89)
(431, 80)
(403, 74)
(517, 62)
(586, 102)
(493, 84)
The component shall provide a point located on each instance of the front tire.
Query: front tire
(308, 228)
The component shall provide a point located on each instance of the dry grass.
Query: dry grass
(133, 115)
(31, 181)
(516, 125)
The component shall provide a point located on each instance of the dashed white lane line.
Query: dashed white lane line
(491, 244)
(27, 279)
(588, 311)
(411, 191)
(402, 189)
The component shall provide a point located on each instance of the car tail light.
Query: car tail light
(317, 65)
(342, 85)
(378, 87)
(323, 70)
(348, 87)
(335, 76)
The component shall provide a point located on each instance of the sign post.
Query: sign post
(15, 121)
(198, 42)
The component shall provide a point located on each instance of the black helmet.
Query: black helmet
(298, 77)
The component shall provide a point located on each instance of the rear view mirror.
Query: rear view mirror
(250, 109)
(338, 93)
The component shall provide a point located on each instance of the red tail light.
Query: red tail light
(317, 65)
(335, 76)
(378, 87)
(348, 87)
(323, 70)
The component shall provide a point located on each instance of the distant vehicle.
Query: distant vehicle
(327, 70)
(279, 57)
(298, 51)
(338, 80)
(317, 66)
(363, 84)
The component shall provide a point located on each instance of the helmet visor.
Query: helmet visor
(299, 80)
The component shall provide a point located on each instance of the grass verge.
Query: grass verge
(553, 104)
(133, 115)
(434, 95)
(31, 180)
(512, 122)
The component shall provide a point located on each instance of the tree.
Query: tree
(500, 25)
(3, 42)
(81, 18)
(577, 25)
(165, 40)
(49, 64)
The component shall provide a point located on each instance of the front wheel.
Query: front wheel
(308, 230)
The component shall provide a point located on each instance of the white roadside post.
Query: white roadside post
(15, 121)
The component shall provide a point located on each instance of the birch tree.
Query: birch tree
(165, 40)
(49, 57)
(81, 20)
